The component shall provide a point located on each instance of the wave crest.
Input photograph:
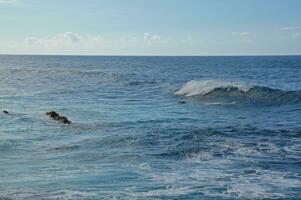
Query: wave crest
(213, 90)
(193, 88)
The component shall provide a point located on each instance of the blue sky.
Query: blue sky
(150, 27)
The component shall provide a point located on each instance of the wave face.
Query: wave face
(235, 93)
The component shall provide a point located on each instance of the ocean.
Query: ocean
(150, 127)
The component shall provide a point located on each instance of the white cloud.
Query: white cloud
(290, 28)
(292, 35)
(187, 39)
(244, 33)
(63, 43)
(85, 44)
(291, 32)
(62, 39)
(70, 37)
(8, 1)
(148, 37)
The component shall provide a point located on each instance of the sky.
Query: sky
(150, 27)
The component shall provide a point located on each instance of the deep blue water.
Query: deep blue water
(238, 136)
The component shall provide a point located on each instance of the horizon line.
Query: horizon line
(154, 55)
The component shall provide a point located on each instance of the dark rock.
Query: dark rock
(55, 116)
(52, 114)
(64, 120)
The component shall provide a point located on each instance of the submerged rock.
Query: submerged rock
(55, 116)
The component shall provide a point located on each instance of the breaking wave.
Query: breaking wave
(220, 91)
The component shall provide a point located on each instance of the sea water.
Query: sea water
(150, 127)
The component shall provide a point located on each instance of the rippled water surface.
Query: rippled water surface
(150, 127)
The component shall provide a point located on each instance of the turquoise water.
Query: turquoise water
(238, 136)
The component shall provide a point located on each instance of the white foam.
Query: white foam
(220, 103)
(167, 192)
(194, 87)
(61, 194)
